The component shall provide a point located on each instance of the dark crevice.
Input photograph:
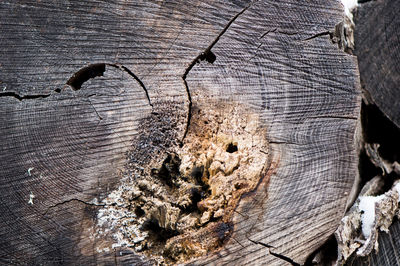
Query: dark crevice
(189, 115)
(209, 57)
(197, 174)
(25, 97)
(278, 31)
(169, 174)
(231, 148)
(261, 243)
(319, 35)
(161, 234)
(389, 181)
(223, 230)
(169, 170)
(71, 200)
(267, 32)
(377, 128)
(324, 255)
(136, 78)
(378, 131)
(366, 168)
(139, 212)
(280, 256)
(196, 195)
(86, 73)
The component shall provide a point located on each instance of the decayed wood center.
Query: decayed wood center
(181, 204)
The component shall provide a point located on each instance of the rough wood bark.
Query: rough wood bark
(80, 79)
(388, 253)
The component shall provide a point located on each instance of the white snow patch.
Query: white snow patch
(367, 206)
(349, 5)
(29, 170)
(31, 197)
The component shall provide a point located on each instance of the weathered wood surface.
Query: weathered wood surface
(270, 57)
(378, 51)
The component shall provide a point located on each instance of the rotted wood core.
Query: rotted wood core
(179, 203)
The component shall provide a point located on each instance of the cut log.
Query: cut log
(377, 48)
(111, 108)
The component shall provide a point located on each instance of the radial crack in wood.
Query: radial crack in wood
(209, 57)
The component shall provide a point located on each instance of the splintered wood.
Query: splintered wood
(358, 230)
(180, 205)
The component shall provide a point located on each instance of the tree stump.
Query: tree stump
(173, 131)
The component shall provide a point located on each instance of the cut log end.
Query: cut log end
(207, 128)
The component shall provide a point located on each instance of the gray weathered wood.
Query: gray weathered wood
(377, 48)
(269, 56)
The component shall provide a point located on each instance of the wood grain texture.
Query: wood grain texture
(377, 48)
(306, 93)
(262, 60)
(74, 144)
